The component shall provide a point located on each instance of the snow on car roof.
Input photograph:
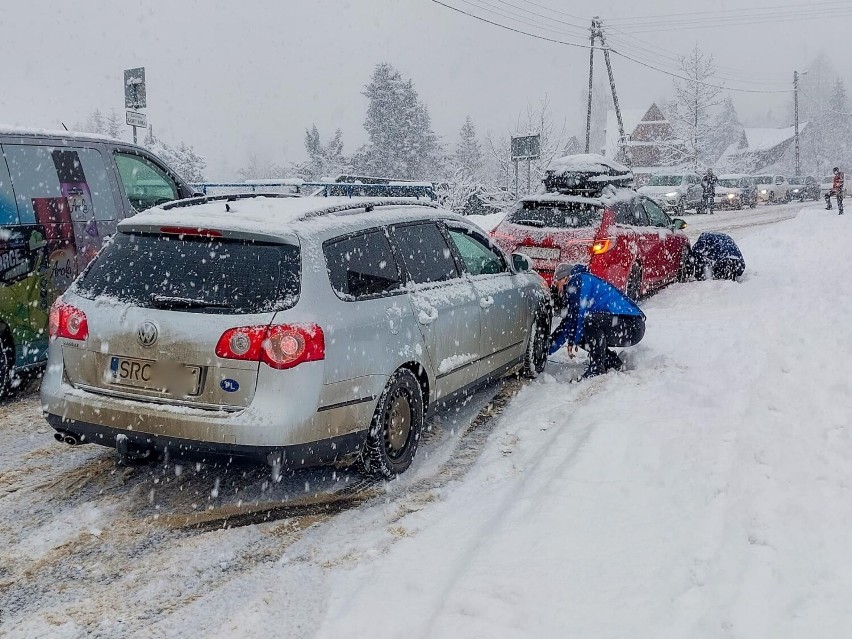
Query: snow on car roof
(9, 129)
(279, 217)
(586, 163)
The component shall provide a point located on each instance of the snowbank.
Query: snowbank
(704, 493)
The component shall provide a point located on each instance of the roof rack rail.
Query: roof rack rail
(357, 189)
(204, 199)
(367, 205)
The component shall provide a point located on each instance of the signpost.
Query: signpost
(135, 97)
(525, 147)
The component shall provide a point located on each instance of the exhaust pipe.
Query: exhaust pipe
(67, 437)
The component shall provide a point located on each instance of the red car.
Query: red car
(624, 238)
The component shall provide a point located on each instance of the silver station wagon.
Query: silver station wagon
(296, 331)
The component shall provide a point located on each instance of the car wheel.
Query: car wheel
(634, 282)
(535, 357)
(396, 427)
(684, 271)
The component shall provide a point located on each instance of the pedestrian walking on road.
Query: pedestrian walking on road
(837, 188)
(595, 317)
(708, 187)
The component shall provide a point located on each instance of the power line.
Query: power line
(583, 28)
(725, 12)
(519, 17)
(824, 108)
(512, 29)
(616, 52)
(735, 22)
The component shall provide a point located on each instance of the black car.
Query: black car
(803, 187)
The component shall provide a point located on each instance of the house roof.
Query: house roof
(631, 119)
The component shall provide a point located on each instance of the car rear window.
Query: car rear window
(201, 274)
(561, 215)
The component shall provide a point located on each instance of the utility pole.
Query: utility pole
(598, 34)
(591, 81)
(796, 116)
(622, 139)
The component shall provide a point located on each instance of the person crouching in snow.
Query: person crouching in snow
(595, 316)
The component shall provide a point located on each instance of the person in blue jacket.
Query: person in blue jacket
(595, 317)
(716, 255)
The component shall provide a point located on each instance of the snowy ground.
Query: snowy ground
(703, 493)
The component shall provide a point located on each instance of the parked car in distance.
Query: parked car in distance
(736, 191)
(675, 192)
(772, 189)
(804, 187)
(622, 236)
(290, 331)
(827, 184)
(61, 194)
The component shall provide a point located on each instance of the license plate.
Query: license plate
(175, 379)
(540, 253)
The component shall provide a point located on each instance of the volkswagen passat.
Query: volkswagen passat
(296, 331)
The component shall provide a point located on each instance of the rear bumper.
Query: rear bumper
(326, 451)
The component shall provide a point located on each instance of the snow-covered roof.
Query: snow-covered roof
(760, 139)
(586, 163)
(279, 217)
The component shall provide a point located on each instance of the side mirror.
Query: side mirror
(678, 224)
(521, 263)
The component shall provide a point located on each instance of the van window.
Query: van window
(77, 177)
(425, 253)
(362, 265)
(145, 183)
(8, 209)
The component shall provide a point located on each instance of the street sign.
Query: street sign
(137, 119)
(134, 88)
(526, 147)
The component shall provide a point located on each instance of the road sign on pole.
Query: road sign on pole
(134, 88)
(526, 147)
(135, 119)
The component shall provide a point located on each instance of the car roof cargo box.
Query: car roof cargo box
(585, 174)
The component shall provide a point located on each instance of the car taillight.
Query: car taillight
(68, 322)
(602, 245)
(279, 346)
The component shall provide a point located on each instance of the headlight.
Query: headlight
(672, 194)
(731, 196)
(763, 192)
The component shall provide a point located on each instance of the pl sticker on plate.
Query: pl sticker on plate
(230, 385)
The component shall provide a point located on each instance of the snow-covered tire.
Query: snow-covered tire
(684, 271)
(535, 357)
(633, 290)
(395, 428)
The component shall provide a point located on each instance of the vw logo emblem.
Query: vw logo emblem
(147, 333)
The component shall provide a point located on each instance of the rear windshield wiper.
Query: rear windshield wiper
(526, 222)
(166, 301)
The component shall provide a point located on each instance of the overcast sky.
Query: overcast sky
(232, 78)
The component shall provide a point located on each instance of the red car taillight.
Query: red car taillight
(602, 245)
(280, 346)
(68, 322)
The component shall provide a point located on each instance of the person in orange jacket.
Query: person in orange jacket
(837, 188)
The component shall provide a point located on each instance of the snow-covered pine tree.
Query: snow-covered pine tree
(402, 143)
(114, 124)
(468, 158)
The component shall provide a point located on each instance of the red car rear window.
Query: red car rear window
(567, 215)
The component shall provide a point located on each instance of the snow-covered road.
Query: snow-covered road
(703, 493)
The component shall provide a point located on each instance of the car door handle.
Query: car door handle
(486, 302)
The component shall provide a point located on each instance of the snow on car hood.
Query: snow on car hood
(658, 190)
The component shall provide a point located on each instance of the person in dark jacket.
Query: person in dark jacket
(716, 255)
(708, 187)
(595, 317)
(837, 187)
